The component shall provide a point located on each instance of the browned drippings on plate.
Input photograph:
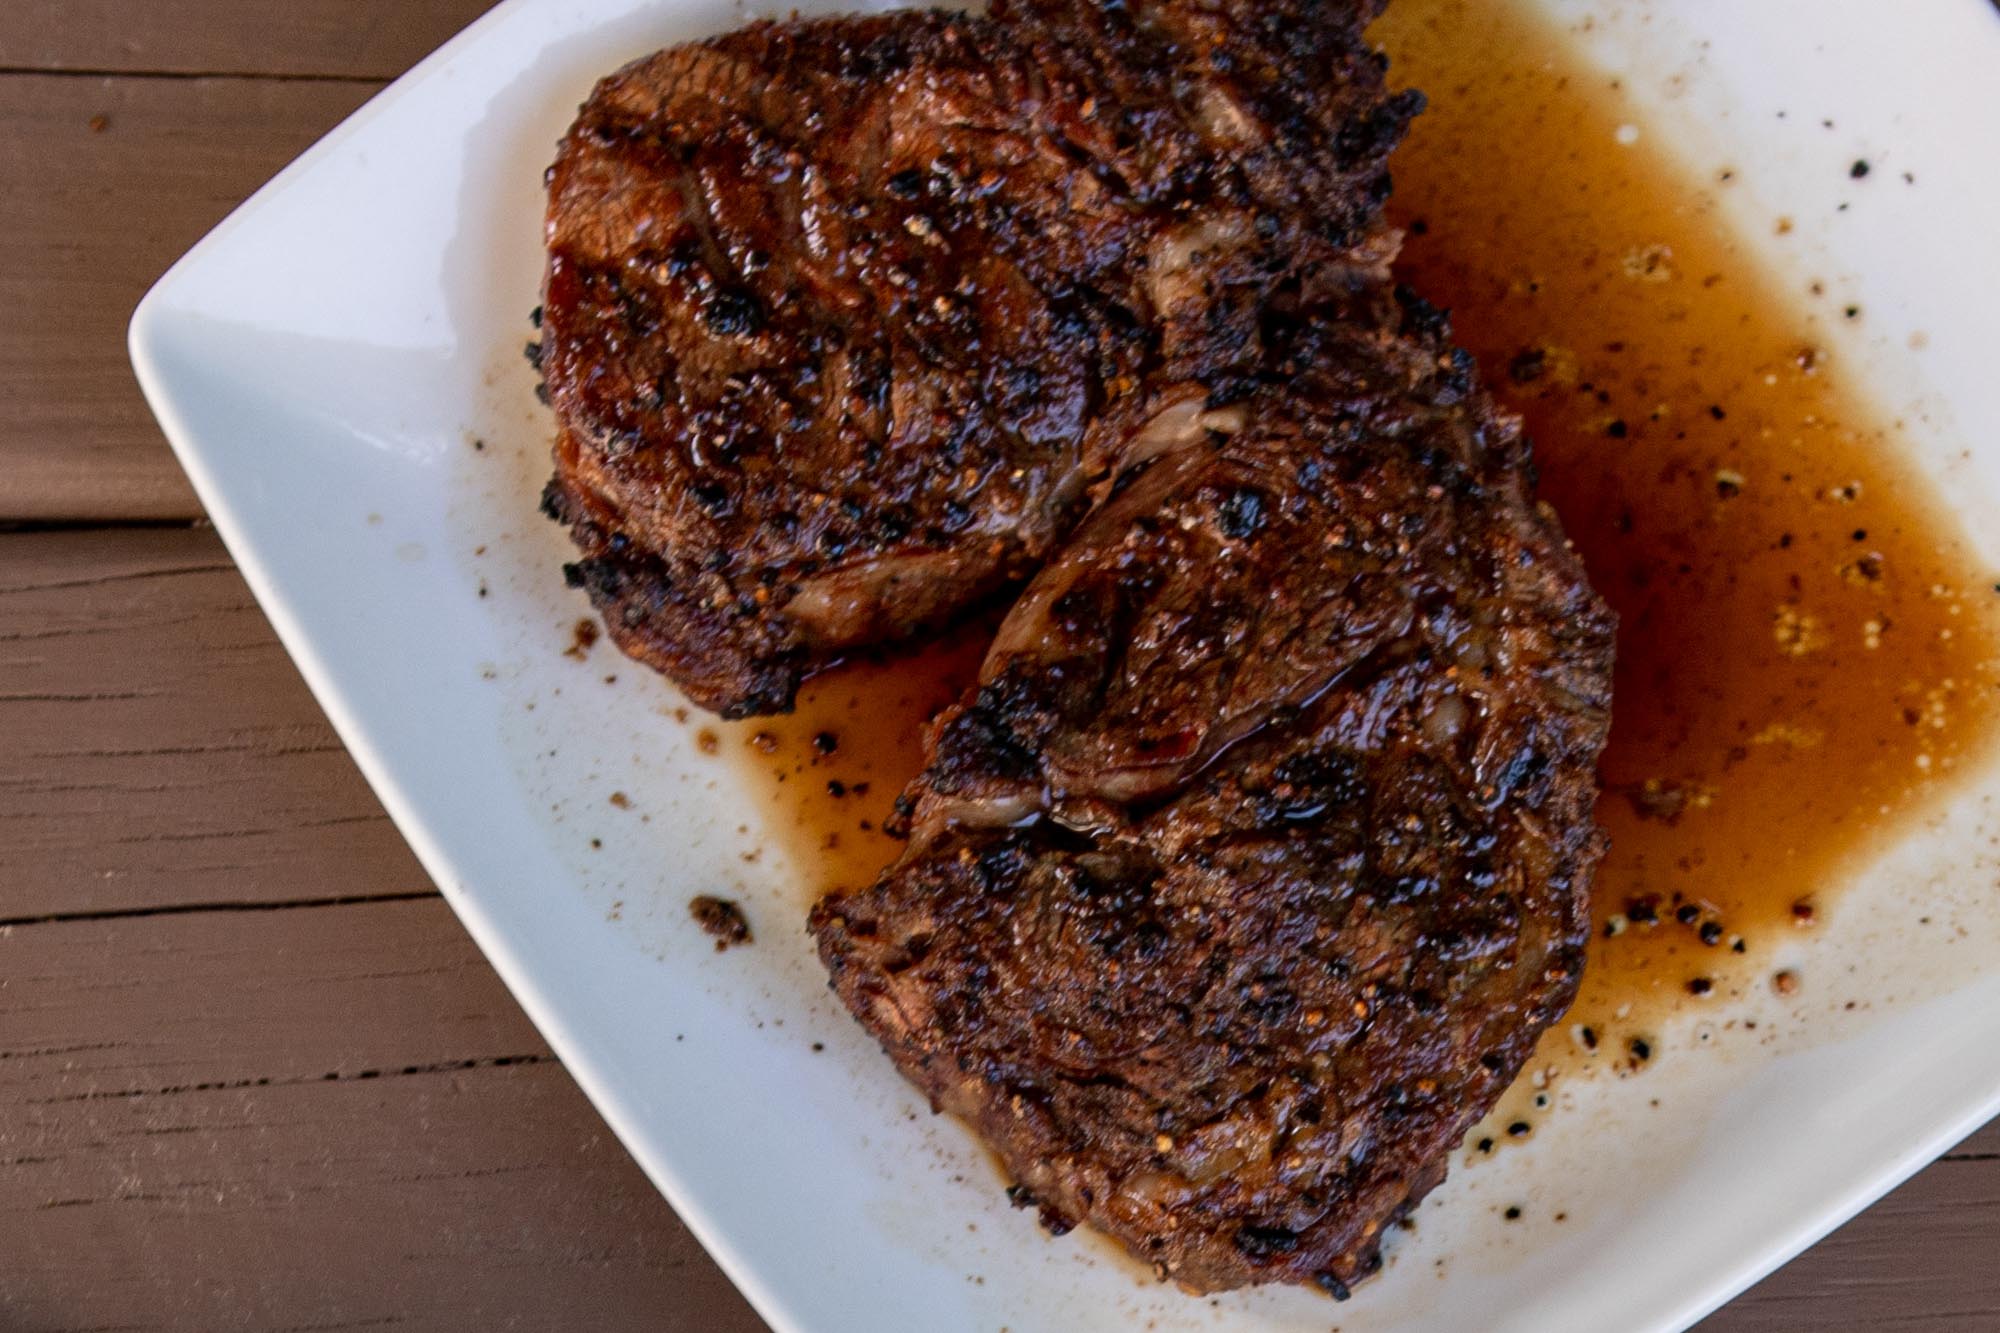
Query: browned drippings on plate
(832, 768)
(1807, 654)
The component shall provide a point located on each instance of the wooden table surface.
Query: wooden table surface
(252, 1072)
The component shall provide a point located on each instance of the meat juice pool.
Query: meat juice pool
(1807, 652)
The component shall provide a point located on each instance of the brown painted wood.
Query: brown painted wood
(278, 1117)
(313, 1117)
(91, 218)
(368, 39)
(160, 748)
(1925, 1259)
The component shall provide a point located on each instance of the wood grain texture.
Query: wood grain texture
(360, 39)
(161, 750)
(1922, 1260)
(324, 1117)
(92, 218)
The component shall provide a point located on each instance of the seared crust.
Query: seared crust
(839, 314)
(1252, 871)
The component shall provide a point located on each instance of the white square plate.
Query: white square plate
(322, 362)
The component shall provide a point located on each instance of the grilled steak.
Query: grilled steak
(1250, 873)
(1256, 863)
(844, 318)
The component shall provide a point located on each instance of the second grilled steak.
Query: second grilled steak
(1251, 872)
(840, 314)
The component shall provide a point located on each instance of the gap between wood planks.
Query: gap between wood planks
(163, 754)
(366, 80)
(332, 1076)
(184, 909)
(14, 527)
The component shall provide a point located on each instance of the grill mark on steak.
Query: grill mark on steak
(1250, 872)
(844, 318)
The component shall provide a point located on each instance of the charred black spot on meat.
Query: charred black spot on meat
(713, 497)
(1241, 513)
(733, 312)
(1420, 316)
(1266, 1242)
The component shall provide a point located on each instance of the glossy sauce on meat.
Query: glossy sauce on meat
(1755, 755)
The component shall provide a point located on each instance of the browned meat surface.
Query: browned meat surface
(1257, 862)
(843, 317)
(1253, 869)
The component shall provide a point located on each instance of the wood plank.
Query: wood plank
(368, 39)
(1921, 1260)
(149, 1008)
(161, 750)
(325, 1117)
(107, 212)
